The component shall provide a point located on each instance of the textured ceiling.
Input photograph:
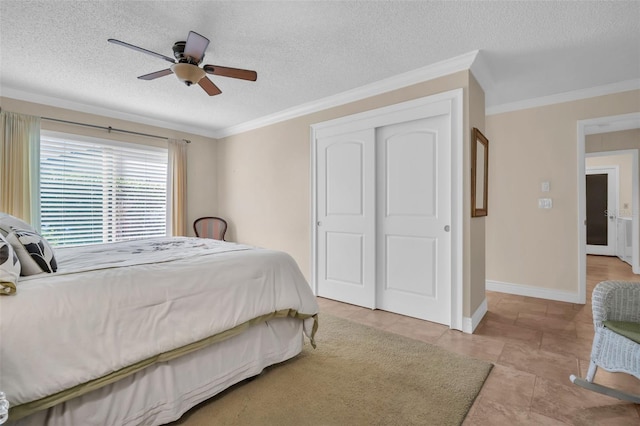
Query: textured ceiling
(302, 51)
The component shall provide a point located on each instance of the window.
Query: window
(98, 191)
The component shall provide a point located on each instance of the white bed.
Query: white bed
(144, 331)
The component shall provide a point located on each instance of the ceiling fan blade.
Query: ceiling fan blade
(140, 49)
(156, 74)
(231, 72)
(209, 86)
(195, 47)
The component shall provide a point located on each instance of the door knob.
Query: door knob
(447, 228)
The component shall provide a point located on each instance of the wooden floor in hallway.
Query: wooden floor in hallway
(535, 345)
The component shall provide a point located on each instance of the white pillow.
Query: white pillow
(33, 250)
(9, 268)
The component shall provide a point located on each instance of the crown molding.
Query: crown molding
(575, 95)
(439, 69)
(473, 61)
(482, 73)
(8, 92)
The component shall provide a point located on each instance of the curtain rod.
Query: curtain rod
(109, 128)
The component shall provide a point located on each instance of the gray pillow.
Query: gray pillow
(7, 222)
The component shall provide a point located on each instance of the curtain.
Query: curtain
(177, 188)
(20, 166)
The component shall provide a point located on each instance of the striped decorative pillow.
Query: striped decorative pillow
(9, 268)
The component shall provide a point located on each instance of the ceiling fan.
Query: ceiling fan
(188, 56)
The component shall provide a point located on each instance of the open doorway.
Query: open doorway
(610, 135)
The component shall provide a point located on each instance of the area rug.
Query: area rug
(358, 375)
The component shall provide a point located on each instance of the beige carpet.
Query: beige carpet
(358, 375)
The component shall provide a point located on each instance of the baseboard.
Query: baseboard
(538, 292)
(469, 324)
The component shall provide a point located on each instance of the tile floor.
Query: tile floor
(534, 344)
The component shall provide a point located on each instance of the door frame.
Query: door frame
(379, 117)
(590, 127)
(614, 172)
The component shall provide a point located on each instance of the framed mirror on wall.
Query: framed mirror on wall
(479, 173)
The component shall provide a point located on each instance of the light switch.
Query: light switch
(545, 203)
(545, 187)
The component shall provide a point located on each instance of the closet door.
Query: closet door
(346, 217)
(387, 208)
(414, 218)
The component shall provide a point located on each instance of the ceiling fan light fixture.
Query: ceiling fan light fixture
(188, 73)
(188, 56)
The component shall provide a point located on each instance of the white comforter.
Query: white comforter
(110, 306)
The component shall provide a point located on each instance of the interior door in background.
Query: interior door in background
(601, 209)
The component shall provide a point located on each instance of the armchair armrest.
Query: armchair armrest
(616, 301)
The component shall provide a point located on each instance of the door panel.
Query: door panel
(414, 194)
(344, 177)
(411, 167)
(343, 246)
(346, 217)
(411, 265)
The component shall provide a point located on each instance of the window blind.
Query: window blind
(98, 191)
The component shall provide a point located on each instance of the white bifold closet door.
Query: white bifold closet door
(384, 215)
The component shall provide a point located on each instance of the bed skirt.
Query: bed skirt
(162, 392)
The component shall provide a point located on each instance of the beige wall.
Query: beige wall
(477, 255)
(526, 245)
(201, 195)
(613, 141)
(264, 177)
